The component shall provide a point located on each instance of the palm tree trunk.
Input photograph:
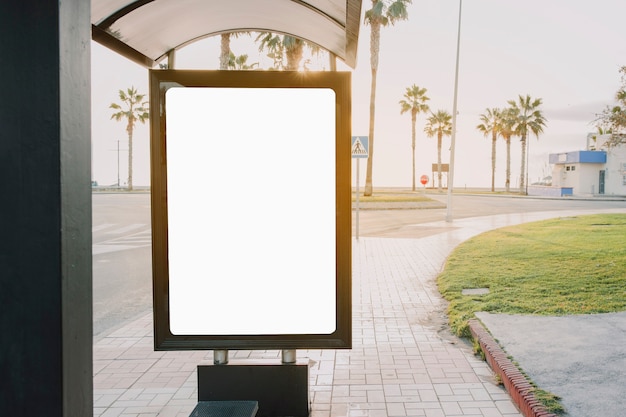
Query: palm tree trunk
(507, 184)
(374, 50)
(294, 56)
(224, 50)
(523, 168)
(413, 119)
(439, 136)
(493, 161)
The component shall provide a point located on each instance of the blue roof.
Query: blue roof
(578, 157)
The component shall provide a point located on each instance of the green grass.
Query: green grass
(550, 401)
(392, 196)
(573, 265)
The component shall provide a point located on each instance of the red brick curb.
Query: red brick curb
(517, 385)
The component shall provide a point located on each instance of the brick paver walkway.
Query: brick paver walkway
(403, 363)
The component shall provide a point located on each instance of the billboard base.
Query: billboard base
(280, 389)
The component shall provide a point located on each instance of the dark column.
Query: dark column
(45, 209)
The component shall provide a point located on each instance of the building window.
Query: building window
(567, 168)
(573, 167)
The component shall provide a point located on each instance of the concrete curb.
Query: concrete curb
(399, 205)
(517, 385)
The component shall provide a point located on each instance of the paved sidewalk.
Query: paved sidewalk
(580, 358)
(404, 362)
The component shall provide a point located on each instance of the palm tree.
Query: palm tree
(507, 122)
(240, 62)
(225, 48)
(382, 13)
(414, 101)
(133, 108)
(490, 126)
(439, 124)
(294, 50)
(529, 119)
(613, 118)
(277, 46)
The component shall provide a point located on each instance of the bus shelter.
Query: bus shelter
(45, 254)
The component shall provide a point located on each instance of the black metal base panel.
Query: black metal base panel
(280, 389)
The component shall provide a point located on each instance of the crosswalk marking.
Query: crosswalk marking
(100, 249)
(126, 229)
(122, 237)
(138, 238)
(101, 227)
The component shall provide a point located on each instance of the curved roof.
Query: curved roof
(145, 31)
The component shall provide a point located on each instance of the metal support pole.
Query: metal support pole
(220, 357)
(171, 58)
(357, 199)
(118, 163)
(288, 356)
(454, 111)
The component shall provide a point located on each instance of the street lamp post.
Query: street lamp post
(118, 163)
(454, 112)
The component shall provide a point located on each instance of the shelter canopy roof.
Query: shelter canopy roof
(145, 31)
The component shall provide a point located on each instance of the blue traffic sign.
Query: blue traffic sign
(360, 147)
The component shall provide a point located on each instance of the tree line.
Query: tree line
(522, 117)
(287, 53)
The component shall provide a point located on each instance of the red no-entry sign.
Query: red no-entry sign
(424, 179)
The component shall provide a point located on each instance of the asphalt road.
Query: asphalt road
(122, 269)
(397, 222)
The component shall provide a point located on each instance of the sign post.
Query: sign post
(359, 150)
(424, 181)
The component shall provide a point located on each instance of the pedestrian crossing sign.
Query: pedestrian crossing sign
(360, 146)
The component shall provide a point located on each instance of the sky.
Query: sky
(566, 52)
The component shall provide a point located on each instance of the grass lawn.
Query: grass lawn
(570, 265)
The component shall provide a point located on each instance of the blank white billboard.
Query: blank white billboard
(251, 210)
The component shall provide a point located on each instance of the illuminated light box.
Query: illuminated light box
(251, 209)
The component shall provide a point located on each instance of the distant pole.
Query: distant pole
(527, 161)
(118, 163)
(357, 198)
(454, 111)
(118, 150)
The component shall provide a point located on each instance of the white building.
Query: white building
(598, 170)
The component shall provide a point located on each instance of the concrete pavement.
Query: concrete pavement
(404, 361)
(581, 358)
